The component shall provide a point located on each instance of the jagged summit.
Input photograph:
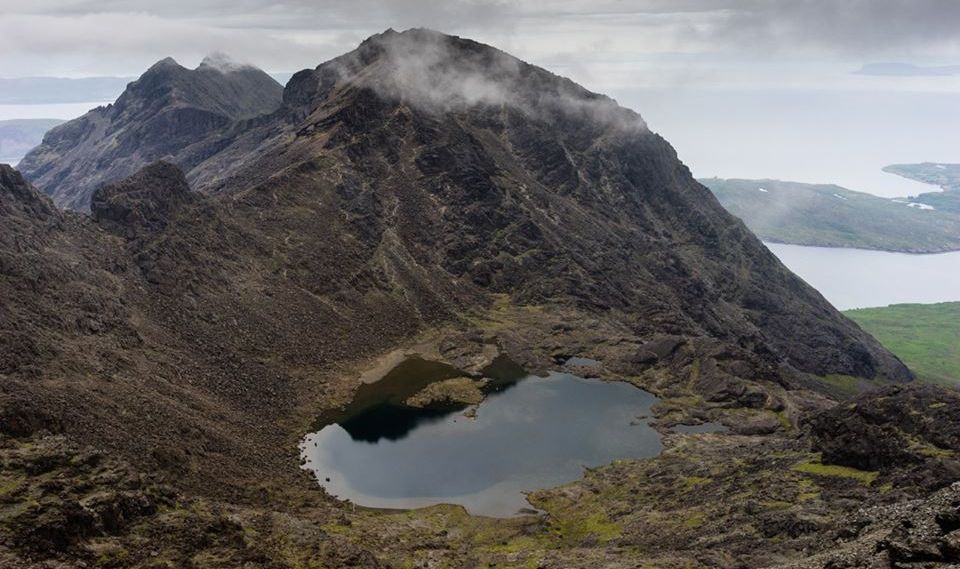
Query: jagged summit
(438, 72)
(218, 84)
(166, 110)
(166, 62)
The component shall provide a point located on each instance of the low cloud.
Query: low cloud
(122, 37)
(435, 72)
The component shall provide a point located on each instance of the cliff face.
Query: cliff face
(167, 109)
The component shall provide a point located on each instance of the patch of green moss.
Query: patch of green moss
(336, 528)
(784, 421)
(694, 521)
(597, 525)
(807, 496)
(9, 485)
(932, 451)
(517, 545)
(776, 504)
(817, 468)
(691, 482)
(114, 555)
(571, 523)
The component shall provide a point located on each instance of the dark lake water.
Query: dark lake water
(529, 433)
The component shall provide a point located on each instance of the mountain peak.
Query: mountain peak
(167, 63)
(437, 72)
(160, 114)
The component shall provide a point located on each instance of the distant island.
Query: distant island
(827, 215)
(19, 136)
(947, 176)
(924, 336)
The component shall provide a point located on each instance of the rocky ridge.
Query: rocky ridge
(167, 109)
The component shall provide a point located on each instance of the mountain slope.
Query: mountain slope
(166, 109)
(830, 216)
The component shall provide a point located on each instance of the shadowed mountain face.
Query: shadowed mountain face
(400, 188)
(168, 108)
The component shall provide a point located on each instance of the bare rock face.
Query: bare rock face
(18, 197)
(166, 110)
(911, 427)
(144, 203)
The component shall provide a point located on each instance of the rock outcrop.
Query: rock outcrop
(913, 428)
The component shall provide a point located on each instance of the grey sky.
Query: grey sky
(615, 43)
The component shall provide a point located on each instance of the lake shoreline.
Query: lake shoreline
(918, 253)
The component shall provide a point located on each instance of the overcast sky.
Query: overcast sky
(609, 44)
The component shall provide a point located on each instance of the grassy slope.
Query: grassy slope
(832, 216)
(925, 336)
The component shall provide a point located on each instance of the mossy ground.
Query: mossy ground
(817, 468)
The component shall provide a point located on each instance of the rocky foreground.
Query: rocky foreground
(161, 357)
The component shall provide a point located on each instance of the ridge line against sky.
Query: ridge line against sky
(715, 43)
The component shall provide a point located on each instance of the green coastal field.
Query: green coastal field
(925, 336)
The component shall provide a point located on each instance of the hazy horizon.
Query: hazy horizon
(825, 91)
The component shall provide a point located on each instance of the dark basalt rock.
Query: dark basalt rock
(18, 196)
(168, 109)
(143, 204)
(891, 428)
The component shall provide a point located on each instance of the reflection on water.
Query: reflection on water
(533, 433)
